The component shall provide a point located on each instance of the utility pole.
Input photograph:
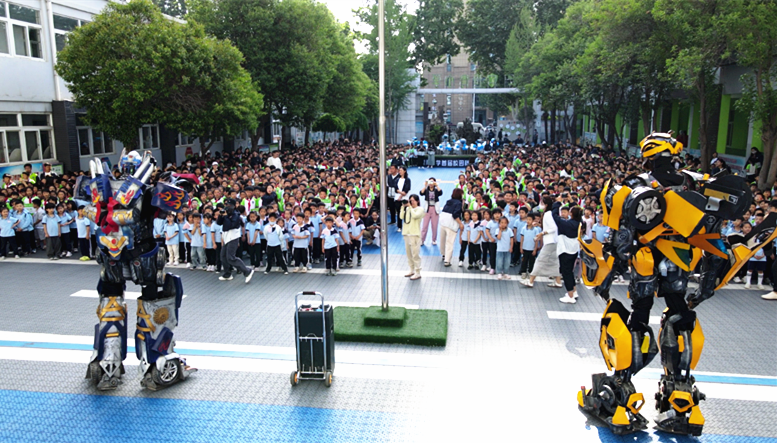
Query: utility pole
(382, 145)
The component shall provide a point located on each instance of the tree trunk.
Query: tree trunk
(204, 150)
(255, 138)
(546, 125)
(553, 125)
(769, 138)
(706, 150)
(307, 134)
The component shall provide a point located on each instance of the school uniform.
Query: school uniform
(315, 222)
(172, 241)
(24, 232)
(464, 244)
(199, 258)
(504, 241)
(475, 241)
(65, 220)
(527, 235)
(300, 245)
(330, 237)
(7, 236)
(218, 230)
(356, 229)
(184, 244)
(73, 229)
(253, 243)
(274, 235)
(489, 247)
(517, 225)
(82, 228)
(53, 243)
(208, 232)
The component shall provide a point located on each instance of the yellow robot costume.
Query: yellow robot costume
(663, 224)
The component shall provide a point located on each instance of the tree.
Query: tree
(132, 66)
(433, 31)
(287, 47)
(698, 45)
(751, 29)
(173, 8)
(329, 123)
(483, 29)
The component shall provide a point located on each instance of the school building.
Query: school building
(39, 121)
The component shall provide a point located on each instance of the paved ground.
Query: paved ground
(514, 361)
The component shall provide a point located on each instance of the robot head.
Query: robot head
(129, 162)
(660, 144)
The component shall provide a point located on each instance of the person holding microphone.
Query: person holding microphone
(411, 215)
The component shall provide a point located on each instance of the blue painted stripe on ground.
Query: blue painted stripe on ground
(45, 416)
(381, 361)
(36, 416)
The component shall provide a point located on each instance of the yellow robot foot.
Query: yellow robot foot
(679, 412)
(615, 402)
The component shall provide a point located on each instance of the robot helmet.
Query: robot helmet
(129, 162)
(660, 144)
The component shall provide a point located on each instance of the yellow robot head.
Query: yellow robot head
(660, 144)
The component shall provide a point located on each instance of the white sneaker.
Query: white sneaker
(621, 279)
(222, 278)
(483, 268)
(576, 295)
(295, 270)
(399, 229)
(568, 300)
(188, 265)
(461, 263)
(737, 280)
(67, 254)
(304, 270)
(770, 296)
(16, 256)
(527, 283)
(175, 263)
(434, 243)
(759, 286)
(499, 277)
(249, 276)
(747, 285)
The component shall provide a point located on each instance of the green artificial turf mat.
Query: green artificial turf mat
(376, 316)
(421, 327)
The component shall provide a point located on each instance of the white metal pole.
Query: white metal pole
(382, 145)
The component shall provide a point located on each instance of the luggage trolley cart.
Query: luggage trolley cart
(315, 341)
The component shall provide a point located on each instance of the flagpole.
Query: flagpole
(382, 145)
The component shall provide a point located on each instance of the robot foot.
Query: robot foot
(103, 381)
(678, 408)
(172, 371)
(615, 402)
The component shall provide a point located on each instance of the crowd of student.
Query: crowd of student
(319, 203)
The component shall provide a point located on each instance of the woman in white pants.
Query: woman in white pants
(450, 221)
(547, 264)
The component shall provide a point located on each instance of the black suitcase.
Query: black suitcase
(310, 342)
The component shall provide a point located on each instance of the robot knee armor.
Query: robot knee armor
(110, 337)
(149, 268)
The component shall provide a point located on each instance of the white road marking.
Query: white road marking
(88, 293)
(589, 316)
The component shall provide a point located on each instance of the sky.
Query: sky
(342, 10)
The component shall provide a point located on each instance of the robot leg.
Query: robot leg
(110, 337)
(160, 366)
(681, 341)
(613, 398)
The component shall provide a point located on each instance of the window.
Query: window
(473, 67)
(29, 142)
(149, 136)
(184, 139)
(23, 27)
(4, 38)
(92, 142)
(63, 25)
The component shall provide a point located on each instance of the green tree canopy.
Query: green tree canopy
(433, 30)
(132, 66)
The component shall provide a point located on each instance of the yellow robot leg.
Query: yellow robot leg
(613, 398)
(681, 341)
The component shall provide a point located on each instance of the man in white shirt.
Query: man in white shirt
(275, 160)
